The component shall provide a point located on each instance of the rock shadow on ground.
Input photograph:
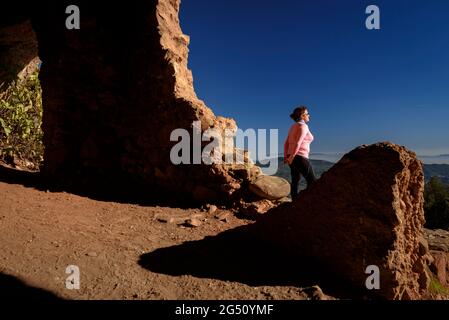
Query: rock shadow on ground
(12, 288)
(239, 255)
(116, 191)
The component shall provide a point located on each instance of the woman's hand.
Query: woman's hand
(289, 160)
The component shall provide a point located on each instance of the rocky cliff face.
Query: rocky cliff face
(114, 91)
(366, 210)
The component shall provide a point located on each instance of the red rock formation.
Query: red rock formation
(440, 266)
(439, 249)
(114, 91)
(18, 54)
(366, 210)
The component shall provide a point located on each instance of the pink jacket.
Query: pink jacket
(298, 140)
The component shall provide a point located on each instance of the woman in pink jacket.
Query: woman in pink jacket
(297, 149)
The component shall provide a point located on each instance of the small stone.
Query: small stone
(92, 254)
(193, 223)
(223, 216)
(199, 216)
(257, 208)
(166, 219)
(314, 293)
(57, 245)
(212, 209)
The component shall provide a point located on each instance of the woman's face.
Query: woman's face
(306, 116)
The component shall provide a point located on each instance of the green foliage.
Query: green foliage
(436, 204)
(20, 123)
(436, 287)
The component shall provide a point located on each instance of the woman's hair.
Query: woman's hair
(297, 113)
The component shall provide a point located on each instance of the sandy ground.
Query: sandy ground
(123, 251)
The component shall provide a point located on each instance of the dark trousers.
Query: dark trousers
(301, 166)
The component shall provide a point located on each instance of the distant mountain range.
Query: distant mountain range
(437, 159)
(335, 157)
(437, 170)
(320, 166)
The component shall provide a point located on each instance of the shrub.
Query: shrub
(20, 123)
(436, 204)
(436, 287)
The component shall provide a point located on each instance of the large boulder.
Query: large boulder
(366, 210)
(270, 187)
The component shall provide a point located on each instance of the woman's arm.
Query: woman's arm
(298, 134)
(302, 132)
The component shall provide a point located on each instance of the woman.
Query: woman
(297, 148)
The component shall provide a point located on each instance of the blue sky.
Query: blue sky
(254, 61)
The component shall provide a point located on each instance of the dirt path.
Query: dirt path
(41, 233)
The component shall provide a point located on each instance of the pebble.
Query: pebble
(193, 222)
(223, 216)
(212, 209)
